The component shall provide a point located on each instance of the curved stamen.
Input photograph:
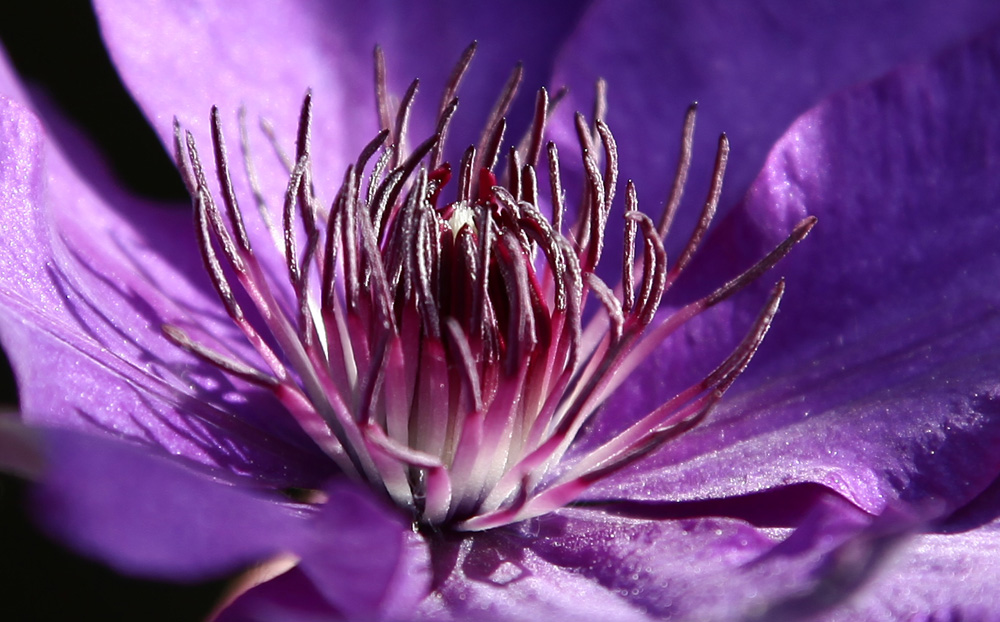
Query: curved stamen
(428, 346)
(681, 174)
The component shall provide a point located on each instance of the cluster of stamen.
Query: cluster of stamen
(443, 352)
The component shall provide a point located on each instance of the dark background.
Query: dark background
(56, 48)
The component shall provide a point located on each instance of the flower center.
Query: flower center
(445, 351)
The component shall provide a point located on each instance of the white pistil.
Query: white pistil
(462, 216)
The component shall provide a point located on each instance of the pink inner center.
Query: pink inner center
(440, 353)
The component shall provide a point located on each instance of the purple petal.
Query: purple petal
(86, 290)
(497, 576)
(629, 567)
(946, 572)
(934, 577)
(151, 516)
(22, 184)
(878, 379)
(752, 67)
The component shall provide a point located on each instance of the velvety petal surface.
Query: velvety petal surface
(879, 378)
(752, 67)
(946, 571)
(638, 565)
(89, 275)
(933, 577)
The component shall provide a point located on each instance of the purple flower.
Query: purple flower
(849, 471)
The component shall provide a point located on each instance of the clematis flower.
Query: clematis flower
(172, 438)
